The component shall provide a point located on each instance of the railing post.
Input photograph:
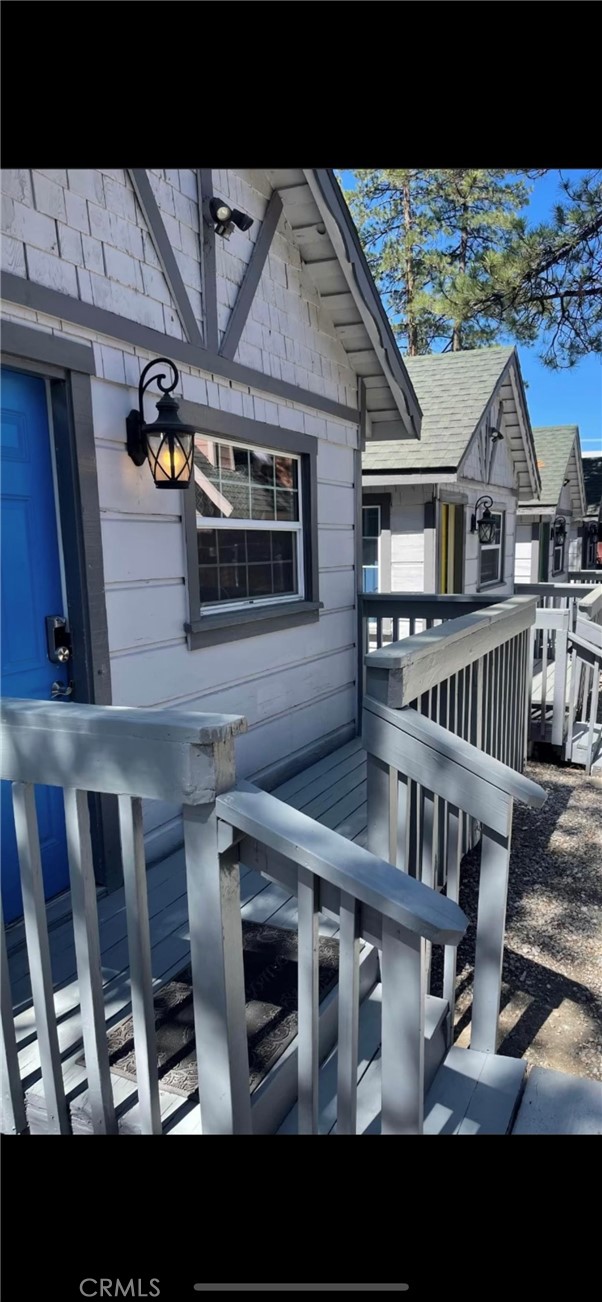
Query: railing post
(13, 1118)
(403, 1004)
(560, 673)
(489, 947)
(216, 959)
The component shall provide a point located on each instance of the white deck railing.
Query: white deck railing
(188, 759)
(183, 758)
(566, 664)
(404, 747)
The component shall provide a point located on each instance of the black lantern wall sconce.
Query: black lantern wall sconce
(167, 443)
(486, 525)
(225, 218)
(559, 527)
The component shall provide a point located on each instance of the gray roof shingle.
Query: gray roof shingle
(553, 447)
(453, 390)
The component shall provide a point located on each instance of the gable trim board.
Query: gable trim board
(208, 260)
(252, 276)
(171, 271)
(484, 372)
(343, 233)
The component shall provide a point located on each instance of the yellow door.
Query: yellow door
(451, 524)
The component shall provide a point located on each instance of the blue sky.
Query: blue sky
(568, 397)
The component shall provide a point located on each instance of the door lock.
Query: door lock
(58, 639)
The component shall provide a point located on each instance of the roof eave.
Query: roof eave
(344, 238)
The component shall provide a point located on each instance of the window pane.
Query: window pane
(370, 551)
(370, 578)
(259, 545)
(204, 504)
(232, 546)
(263, 505)
(497, 537)
(490, 560)
(284, 580)
(207, 546)
(286, 472)
(371, 518)
(233, 582)
(260, 580)
(262, 467)
(282, 546)
(208, 582)
(248, 564)
(287, 505)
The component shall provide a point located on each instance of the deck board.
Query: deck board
(333, 791)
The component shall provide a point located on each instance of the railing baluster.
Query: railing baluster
(14, 1119)
(89, 963)
(403, 970)
(378, 796)
(38, 954)
(412, 626)
(593, 714)
(216, 959)
(489, 946)
(544, 685)
(143, 1012)
(308, 1052)
(453, 893)
(379, 632)
(403, 811)
(349, 1001)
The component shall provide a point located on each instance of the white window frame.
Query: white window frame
(275, 526)
(494, 547)
(372, 506)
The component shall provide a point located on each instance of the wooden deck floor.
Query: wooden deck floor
(332, 791)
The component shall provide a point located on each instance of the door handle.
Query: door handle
(60, 690)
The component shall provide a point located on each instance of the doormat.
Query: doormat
(270, 967)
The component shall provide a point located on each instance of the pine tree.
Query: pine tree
(427, 235)
(548, 284)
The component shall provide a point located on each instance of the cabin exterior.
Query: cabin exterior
(271, 330)
(591, 464)
(419, 501)
(550, 527)
(190, 752)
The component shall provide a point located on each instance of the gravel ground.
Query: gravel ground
(551, 1010)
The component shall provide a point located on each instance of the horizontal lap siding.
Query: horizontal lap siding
(407, 538)
(524, 550)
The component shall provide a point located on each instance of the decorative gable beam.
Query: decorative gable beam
(165, 253)
(252, 277)
(208, 267)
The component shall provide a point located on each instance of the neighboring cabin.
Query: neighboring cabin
(549, 537)
(419, 498)
(591, 463)
(238, 595)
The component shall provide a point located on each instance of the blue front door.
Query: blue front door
(31, 589)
